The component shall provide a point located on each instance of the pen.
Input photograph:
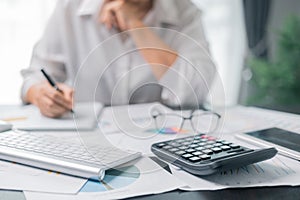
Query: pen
(53, 84)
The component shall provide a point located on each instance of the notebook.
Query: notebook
(29, 118)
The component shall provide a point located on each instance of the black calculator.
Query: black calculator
(204, 155)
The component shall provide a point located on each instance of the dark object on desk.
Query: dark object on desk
(287, 142)
(164, 165)
(261, 193)
(205, 155)
(53, 84)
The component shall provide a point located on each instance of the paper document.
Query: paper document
(141, 178)
(278, 171)
(19, 177)
(242, 118)
(129, 118)
(278, 119)
(141, 142)
(29, 118)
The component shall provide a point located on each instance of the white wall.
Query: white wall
(22, 23)
(225, 30)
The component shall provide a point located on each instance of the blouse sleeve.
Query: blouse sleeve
(187, 82)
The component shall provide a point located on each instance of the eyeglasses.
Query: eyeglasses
(201, 121)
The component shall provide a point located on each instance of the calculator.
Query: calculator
(202, 154)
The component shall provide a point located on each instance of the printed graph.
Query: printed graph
(114, 179)
(253, 174)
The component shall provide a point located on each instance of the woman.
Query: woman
(120, 52)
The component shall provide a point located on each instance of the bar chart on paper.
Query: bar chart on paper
(253, 174)
(114, 179)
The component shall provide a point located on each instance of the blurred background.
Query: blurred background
(254, 44)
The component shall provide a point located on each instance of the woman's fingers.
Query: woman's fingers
(58, 98)
(50, 108)
(51, 102)
(68, 94)
(108, 11)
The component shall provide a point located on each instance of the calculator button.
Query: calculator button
(197, 153)
(217, 144)
(187, 155)
(190, 150)
(225, 148)
(216, 150)
(174, 144)
(161, 145)
(211, 142)
(167, 147)
(203, 140)
(194, 159)
(207, 151)
(193, 145)
(200, 148)
(186, 143)
(205, 157)
(183, 147)
(204, 136)
(208, 146)
(226, 143)
(211, 138)
(202, 143)
(180, 152)
(234, 146)
(197, 137)
(173, 149)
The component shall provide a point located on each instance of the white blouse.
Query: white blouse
(104, 65)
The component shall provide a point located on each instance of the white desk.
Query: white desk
(275, 117)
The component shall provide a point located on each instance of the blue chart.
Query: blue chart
(114, 179)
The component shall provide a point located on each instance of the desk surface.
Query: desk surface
(285, 192)
(245, 194)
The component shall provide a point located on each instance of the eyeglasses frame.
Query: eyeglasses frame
(183, 119)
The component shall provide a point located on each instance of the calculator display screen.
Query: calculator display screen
(280, 137)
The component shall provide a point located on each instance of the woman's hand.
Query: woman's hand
(124, 14)
(51, 102)
(128, 14)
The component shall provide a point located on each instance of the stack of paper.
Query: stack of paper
(29, 118)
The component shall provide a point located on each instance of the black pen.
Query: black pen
(53, 84)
